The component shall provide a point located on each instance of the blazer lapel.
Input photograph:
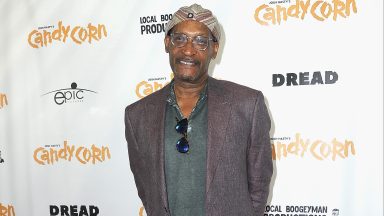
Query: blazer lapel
(219, 109)
(155, 109)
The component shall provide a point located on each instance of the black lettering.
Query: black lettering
(160, 28)
(153, 28)
(166, 17)
(83, 211)
(148, 19)
(93, 210)
(278, 79)
(288, 209)
(54, 210)
(304, 78)
(77, 94)
(64, 210)
(267, 208)
(68, 95)
(317, 79)
(59, 98)
(74, 210)
(148, 29)
(142, 29)
(331, 77)
(291, 79)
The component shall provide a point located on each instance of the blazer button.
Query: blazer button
(166, 210)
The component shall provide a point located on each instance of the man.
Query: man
(199, 146)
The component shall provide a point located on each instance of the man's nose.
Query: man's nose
(188, 49)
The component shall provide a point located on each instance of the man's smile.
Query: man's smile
(187, 61)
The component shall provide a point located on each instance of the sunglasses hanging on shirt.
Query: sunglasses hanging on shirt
(181, 127)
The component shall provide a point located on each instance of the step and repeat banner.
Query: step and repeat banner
(69, 68)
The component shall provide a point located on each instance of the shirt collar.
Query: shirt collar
(171, 99)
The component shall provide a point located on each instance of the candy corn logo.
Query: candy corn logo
(147, 87)
(43, 37)
(318, 149)
(51, 154)
(319, 10)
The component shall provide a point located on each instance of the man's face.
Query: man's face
(189, 64)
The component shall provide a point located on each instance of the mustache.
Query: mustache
(194, 61)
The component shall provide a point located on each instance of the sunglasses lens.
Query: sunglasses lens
(182, 145)
(182, 126)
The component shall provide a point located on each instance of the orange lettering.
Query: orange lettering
(3, 100)
(280, 10)
(35, 156)
(47, 37)
(32, 42)
(83, 34)
(74, 30)
(313, 148)
(105, 151)
(77, 155)
(348, 7)
(257, 12)
(92, 33)
(323, 9)
(313, 11)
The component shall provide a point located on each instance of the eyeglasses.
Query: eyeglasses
(182, 127)
(198, 42)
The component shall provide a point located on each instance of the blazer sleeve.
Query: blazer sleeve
(259, 156)
(135, 159)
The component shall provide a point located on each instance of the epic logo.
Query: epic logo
(3, 100)
(73, 210)
(304, 78)
(69, 95)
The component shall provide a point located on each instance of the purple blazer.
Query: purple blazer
(239, 158)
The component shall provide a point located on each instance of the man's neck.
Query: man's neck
(187, 90)
(187, 95)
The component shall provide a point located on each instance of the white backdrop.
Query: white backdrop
(69, 68)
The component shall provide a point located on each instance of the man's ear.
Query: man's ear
(167, 40)
(215, 50)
